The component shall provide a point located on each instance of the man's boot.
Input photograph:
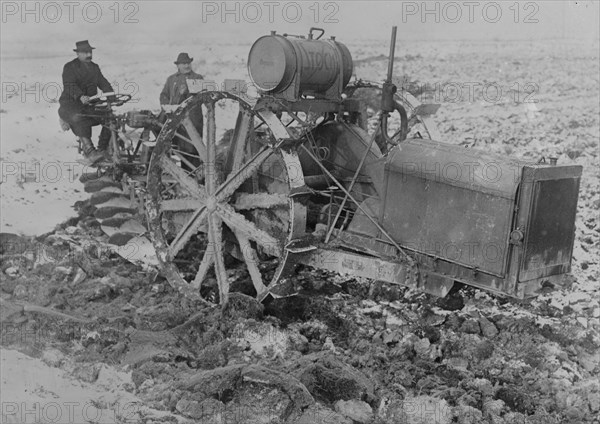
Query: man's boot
(89, 151)
(104, 140)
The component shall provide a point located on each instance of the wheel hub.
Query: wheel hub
(211, 204)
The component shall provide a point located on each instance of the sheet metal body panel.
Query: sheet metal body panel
(453, 203)
(482, 214)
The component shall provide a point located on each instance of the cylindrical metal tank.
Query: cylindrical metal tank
(274, 61)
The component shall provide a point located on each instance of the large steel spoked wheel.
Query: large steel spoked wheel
(418, 120)
(224, 191)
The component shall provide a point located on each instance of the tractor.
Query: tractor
(346, 175)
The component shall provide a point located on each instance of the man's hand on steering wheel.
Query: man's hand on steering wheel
(105, 100)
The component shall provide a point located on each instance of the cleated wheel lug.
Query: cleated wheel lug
(116, 202)
(133, 226)
(117, 190)
(121, 239)
(99, 184)
(89, 176)
(130, 226)
(110, 212)
(100, 197)
(116, 221)
(136, 249)
(124, 216)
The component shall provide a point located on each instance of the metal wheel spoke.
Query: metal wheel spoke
(207, 260)
(188, 230)
(251, 259)
(176, 280)
(182, 157)
(211, 150)
(186, 154)
(186, 182)
(246, 201)
(237, 178)
(181, 205)
(183, 137)
(275, 125)
(195, 137)
(238, 222)
(238, 144)
(215, 238)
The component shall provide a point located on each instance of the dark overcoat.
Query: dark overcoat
(80, 79)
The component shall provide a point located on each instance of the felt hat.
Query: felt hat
(83, 46)
(183, 58)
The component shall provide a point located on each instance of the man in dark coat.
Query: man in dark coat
(81, 80)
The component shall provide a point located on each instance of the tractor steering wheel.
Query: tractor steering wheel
(101, 101)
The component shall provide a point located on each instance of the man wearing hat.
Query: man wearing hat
(176, 90)
(81, 80)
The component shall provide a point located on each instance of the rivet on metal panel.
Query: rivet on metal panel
(516, 236)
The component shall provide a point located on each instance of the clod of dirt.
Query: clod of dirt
(288, 309)
(318, 414)
(53, 357)
(13, 244)
(239, 383)
(493, 408)
(357, 410)
(419, 410)
(488, 329)
(12, 271)
(262, 339)
(470, 326)
(139, 354)
(86, 372)
(205, 411)
(214, 356)
(217, 383)
(454, 300)
(256, 403)
(13, 312)
(339, 325)
(379, 290)
(466, 414)
(329, 379)
(242, 306)
(296, 391)
(516, 399)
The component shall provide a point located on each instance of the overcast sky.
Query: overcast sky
(38, 25)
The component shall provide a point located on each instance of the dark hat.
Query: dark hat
(83, 46)
(183, 58)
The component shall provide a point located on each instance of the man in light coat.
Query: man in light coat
(175, 91)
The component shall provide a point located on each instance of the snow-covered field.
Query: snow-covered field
(40, 172)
